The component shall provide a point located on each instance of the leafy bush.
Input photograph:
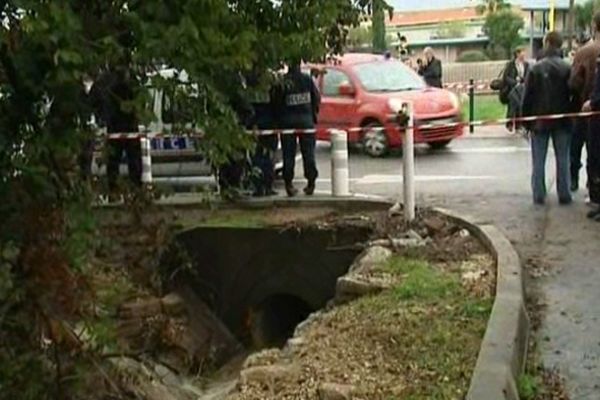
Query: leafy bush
(472, 56)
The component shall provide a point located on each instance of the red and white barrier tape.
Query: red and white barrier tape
(477, 85)
(424, 126)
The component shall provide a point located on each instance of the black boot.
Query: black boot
(594, 214)
(309, 190)
(290, 189)
(574, 183)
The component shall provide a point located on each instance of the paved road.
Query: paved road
(489, 179)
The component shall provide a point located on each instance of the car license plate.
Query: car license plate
(439, 122)
(172, 144)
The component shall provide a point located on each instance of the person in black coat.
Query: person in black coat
(547, 92)
(513, 77)
(432, 69)
(594, 148)
(108, 96)
(299, 109)
(263, 98)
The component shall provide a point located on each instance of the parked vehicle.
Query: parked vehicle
(176, 160)
(367, 91)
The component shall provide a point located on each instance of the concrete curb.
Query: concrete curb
(350, 203)
(503, 351)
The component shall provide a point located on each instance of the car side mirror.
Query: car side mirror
(346, 89)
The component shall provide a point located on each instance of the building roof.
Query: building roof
(411, 18)
(542, 5)
(415, 5)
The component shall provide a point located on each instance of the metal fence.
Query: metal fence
(478, 71)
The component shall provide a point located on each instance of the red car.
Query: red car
(365, 90)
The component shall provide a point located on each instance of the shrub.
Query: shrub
(472, 56)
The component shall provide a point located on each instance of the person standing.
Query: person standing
(264, 118)
(581, 82)
(300, 101)
(432, 69)
(594, 148)
(109, 95)
(512, 88)
(547, 92)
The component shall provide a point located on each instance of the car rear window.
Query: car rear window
(388, 76)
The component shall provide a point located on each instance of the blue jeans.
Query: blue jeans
(561, 140)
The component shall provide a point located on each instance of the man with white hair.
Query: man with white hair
(432, 69)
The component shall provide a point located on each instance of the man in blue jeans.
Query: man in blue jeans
(547, 92)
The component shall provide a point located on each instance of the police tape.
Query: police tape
(477, 85)
(429, 125)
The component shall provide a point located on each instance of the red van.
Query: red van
(366, 90)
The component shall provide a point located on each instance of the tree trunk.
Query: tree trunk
(379, 44)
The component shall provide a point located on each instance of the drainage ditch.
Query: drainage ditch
(259, 284)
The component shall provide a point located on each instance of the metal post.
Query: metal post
(531, 31)
(146, 161)
(408, 159)
(340, 175)
(471, 105)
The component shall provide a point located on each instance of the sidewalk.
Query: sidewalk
(491, 131)
(569, 338)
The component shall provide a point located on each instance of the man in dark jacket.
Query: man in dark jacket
(264, 117)
(108, 95)
(582, 83)
(300, 101)
(432, 70)
(547, 92)
(594, 149)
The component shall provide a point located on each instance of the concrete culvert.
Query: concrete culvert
(274, 320)
(261, 283)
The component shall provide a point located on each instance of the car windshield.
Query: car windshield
(388, 76)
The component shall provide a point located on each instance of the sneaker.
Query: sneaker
(271, 192)
(309, 190)
(290, 190)
(565, 202)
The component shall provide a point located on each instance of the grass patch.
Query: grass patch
(487, 106)
(420, 281)
(436, 325)
(528, 387)
(236, 219)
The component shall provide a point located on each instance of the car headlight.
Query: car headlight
(454, 100)
(395, 105)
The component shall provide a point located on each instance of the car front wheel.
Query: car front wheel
(442, 144)
(375, 141)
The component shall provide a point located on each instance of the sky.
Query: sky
(416, 5)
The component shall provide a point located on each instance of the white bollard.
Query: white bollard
(340, 175)
(408, 160)
(146, 161)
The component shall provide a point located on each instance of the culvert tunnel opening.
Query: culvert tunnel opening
(260, 283)
(272, 322)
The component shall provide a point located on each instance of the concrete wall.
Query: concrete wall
(236, 270)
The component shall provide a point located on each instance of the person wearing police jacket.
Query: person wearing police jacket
(108, 94)
(299, 102)
(261, 97)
